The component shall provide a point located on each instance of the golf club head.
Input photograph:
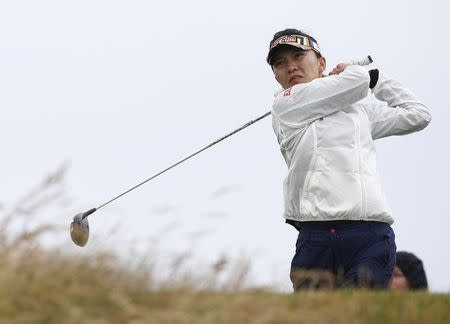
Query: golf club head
(79, 230)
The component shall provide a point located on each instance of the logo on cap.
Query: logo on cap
(299, 41)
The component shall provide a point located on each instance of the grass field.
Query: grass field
(43, 285)
(49, 288)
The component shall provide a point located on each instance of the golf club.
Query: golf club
(79, 228)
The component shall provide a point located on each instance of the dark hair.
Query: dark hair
(292, 31)
(412, 268)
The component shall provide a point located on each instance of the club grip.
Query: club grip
(364, 61)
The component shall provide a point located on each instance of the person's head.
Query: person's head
(409, 273)
(295, 58)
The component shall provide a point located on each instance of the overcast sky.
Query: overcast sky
(121, 89)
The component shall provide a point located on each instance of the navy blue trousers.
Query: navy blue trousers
(348, 253)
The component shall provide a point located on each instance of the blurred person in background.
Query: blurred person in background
(409, 273)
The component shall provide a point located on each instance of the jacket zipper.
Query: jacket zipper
(358, 148)
(312, 163)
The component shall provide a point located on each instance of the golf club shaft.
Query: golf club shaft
(365, 61)
(87, 213)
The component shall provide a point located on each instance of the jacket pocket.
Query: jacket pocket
(333, 195)
(333, 186)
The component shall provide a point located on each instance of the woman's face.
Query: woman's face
(292, 66)
(398, 280)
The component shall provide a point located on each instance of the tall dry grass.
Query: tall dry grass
(39, 283)
(48, 285)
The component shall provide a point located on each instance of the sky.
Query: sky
(122, 89)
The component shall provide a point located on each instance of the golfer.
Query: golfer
(332, 192)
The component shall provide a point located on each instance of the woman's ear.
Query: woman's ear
(322, 64)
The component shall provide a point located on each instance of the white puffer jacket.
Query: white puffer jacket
(326, 137)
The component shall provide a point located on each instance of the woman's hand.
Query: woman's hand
(338, 69)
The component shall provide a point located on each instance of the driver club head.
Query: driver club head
(79, 230)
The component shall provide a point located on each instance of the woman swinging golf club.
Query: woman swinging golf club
(332, 191)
